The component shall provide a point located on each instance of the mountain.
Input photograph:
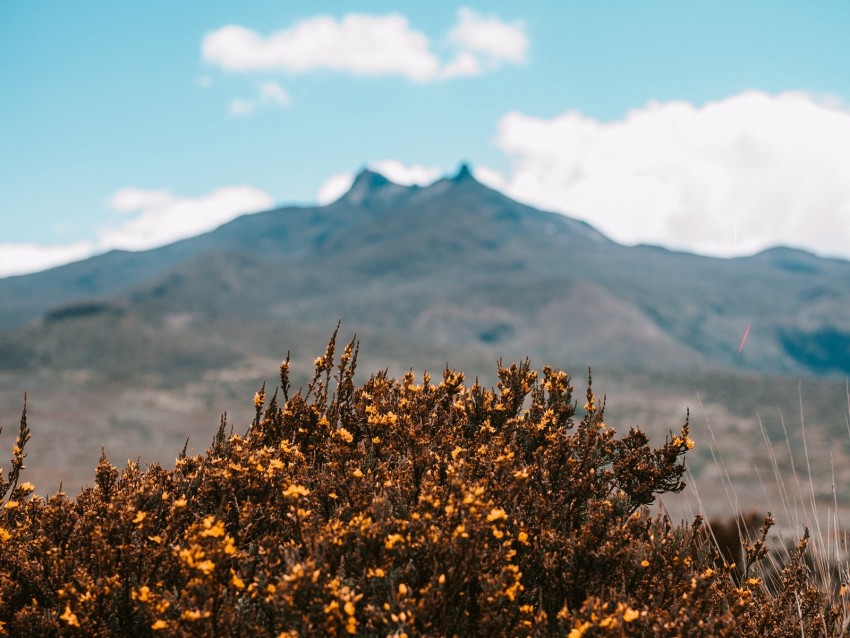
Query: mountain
(136, 350)
(456, 265)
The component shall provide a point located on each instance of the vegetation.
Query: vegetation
(402, 507)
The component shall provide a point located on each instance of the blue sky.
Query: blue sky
(717, 127)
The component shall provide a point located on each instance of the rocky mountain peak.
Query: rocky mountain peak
(371, 188)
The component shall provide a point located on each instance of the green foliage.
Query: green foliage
(394, 508)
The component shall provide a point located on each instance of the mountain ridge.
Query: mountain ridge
(462, 265)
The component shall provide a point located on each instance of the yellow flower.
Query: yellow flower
(402, 589)
(357, 473)
(11, 505)
(4, 534)
(70, 617)
(159, 624)
(644, 563)
(296, 491)
(180, 502)
(140, 516)
(393, 540)
(754, 581)
(687, 442)
(349, 608)
(212, 527)
(345, 435)
(27, 487)
(351, 625)
(630, 614)
(496, 514)
(191, 614)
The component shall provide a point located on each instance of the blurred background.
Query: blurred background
(658, 192)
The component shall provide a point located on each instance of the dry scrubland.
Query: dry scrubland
(405, 506)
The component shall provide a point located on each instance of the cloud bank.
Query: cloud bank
(159, 218)
(731, 177)
(18, 259)
(151, 218)
(369, 45)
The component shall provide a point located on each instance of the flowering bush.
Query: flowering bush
(402, 507)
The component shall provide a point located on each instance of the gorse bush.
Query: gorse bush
(399, 507)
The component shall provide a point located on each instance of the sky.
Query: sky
(721, 128)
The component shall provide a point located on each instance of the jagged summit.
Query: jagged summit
(369, 179)
(464, 173)
(370, 187)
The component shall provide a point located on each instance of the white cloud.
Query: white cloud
(19, 259)
(497, 41)
(239, 107)
(465, 64)
(338, 185)
(490, 177)
(132, 199)
(151, 218)
(334, 187)
(269, 94)
(358, 44)
(368, 45)
(274, 94)
(729, 178)
(405, 174)
(161, 218)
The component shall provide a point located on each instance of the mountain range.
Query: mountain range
(452, 273)
(454, 265)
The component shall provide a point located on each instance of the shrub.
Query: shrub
(399, 507)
